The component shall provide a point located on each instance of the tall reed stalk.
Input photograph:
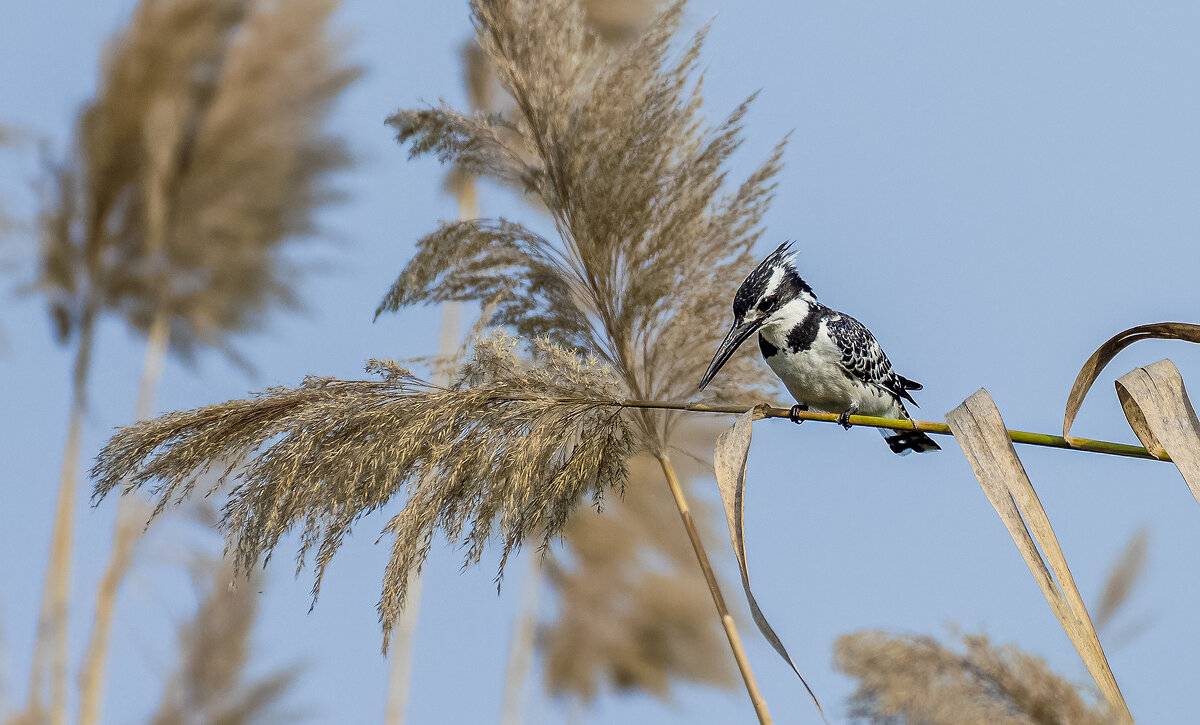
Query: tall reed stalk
(201, 153)
(49, 666)
(727, 623)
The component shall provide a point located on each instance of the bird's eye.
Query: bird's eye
(766, 303)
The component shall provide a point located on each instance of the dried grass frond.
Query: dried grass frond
(649, 247)
(514, 444)
(60, 275)
(647, 253)
(202, 152)
(634, 611)
(632, 568)
(912, 679)
(211, 683)
(1122, 579)
(473, 142)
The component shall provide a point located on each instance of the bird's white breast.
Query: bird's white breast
(815, 375)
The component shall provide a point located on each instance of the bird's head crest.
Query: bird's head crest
(772, 284)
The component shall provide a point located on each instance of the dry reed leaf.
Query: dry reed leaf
(915, 679)
(510, 448)
(981, 433)
(1104, 355)
(1157, 406)
(730, 459)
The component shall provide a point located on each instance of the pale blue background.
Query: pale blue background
(993, 188)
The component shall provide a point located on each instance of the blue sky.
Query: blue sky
(993, 189)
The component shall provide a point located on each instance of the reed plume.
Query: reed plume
(210, 683)
(8, 137)
(608, 562)
(625, 299)
(499, 444)
(201, 154)
(1122, 579)
(648, 248)
(632, 611)
(912, 679)
(916, 679)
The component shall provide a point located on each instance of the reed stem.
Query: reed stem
(735, 642)
(1017, 436)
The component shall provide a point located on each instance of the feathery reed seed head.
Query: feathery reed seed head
(650, 247)
(202, 152)
(625, 301)
(622, 618)
(510, 448)
(633, 611)
(211, 683)
(915, 679)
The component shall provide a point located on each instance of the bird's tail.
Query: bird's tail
(904, 442)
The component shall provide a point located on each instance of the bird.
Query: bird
(827, 359)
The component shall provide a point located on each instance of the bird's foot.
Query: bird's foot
(794, 413)
(844, 418)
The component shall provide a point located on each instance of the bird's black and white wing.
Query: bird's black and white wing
(864, 358)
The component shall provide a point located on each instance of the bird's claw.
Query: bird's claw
(844, 418)
(794, 413)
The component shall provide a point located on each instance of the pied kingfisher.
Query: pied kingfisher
(827, 360)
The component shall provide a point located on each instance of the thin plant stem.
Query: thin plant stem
(766, 411)
(126, 533)
(400, 673)
(92, 677)
(1017, 436)
(735, 641)
(401, 652)
(51, 641)
(524, 636)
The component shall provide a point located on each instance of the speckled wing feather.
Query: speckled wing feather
(864, 358)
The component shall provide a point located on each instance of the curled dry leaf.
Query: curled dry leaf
(1091, 369)
(1158, 409)
(729, 460)
(980, 432)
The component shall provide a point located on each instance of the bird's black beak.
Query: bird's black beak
(737, 335)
